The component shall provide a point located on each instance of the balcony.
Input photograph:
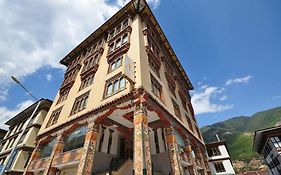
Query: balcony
(39, 164)
(92, 70)
(67, 158)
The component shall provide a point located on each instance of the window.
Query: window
(198, 132)
(154, 67)
(118, 29)
(111, 35)
(111, 48)
(80, 103)
(47, 149)
(172, 89)
(219, 167)
(75, 139)
(189, 123)
(120, 41)
(101, 138)
(276, 142)
(22, 138)
(54, 117)
(115, 86)
(109, 141)
(87, 81)
(26, 162)
(63, 96)
(115, 64)
(213, 152)
(125, 38)
(177, 110)
(125, 23)
(156, 87)
(11, 143)
(156, 141)
(90, 62)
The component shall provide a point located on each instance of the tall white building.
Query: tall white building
(267, 142)
(219, 159)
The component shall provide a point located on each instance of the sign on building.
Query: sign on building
(129, 69)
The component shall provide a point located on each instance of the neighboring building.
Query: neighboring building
(219, 159)
(123, 107)
(2, 135)
(267, 142)
(26, 144)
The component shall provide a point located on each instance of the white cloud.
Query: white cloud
(276, 97)
(3, 95)
(39, 33)
(6, 114)
(153, 3)
(222, 98)
(245, 79)
(49, 77)
(203, 100)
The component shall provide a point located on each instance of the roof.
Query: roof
(215, 144)
(128, 7)
(45, 103)
(3, 131)
(262, 135)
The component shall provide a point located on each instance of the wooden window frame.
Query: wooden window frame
(115, 62)
(155, 84)
(80, 103)
(54, 117)
(87, 81)
(111, 81)
(112, 46)
(219, 167)
(177, 110)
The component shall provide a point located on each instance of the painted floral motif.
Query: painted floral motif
(142, 159)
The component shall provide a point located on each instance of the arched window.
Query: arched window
(75, 139)
(47, 149)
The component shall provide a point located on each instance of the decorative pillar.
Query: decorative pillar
(57, 149)
(142, 157)
(53, 171)
(35, 155)
(191, 170)
(173, 151)
(89, 149)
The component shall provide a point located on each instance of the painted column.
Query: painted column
(191, 169)
(142, 157)
(35, 155)
(57, 149)
(89, 149)
(173, 151)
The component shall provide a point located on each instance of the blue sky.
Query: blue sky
(230, 49)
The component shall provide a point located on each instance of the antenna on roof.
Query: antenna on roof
(217, 136)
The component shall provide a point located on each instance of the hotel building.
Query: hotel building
(267, 142)
(123, 106)
(26, 143)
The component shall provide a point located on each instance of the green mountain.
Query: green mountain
(239, 132)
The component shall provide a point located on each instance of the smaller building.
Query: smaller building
(2, 135)
(27, 141)
(267, 142)
(219, 159)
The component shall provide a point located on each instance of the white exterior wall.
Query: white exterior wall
(226, 162)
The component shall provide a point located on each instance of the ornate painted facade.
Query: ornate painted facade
(123, 107)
